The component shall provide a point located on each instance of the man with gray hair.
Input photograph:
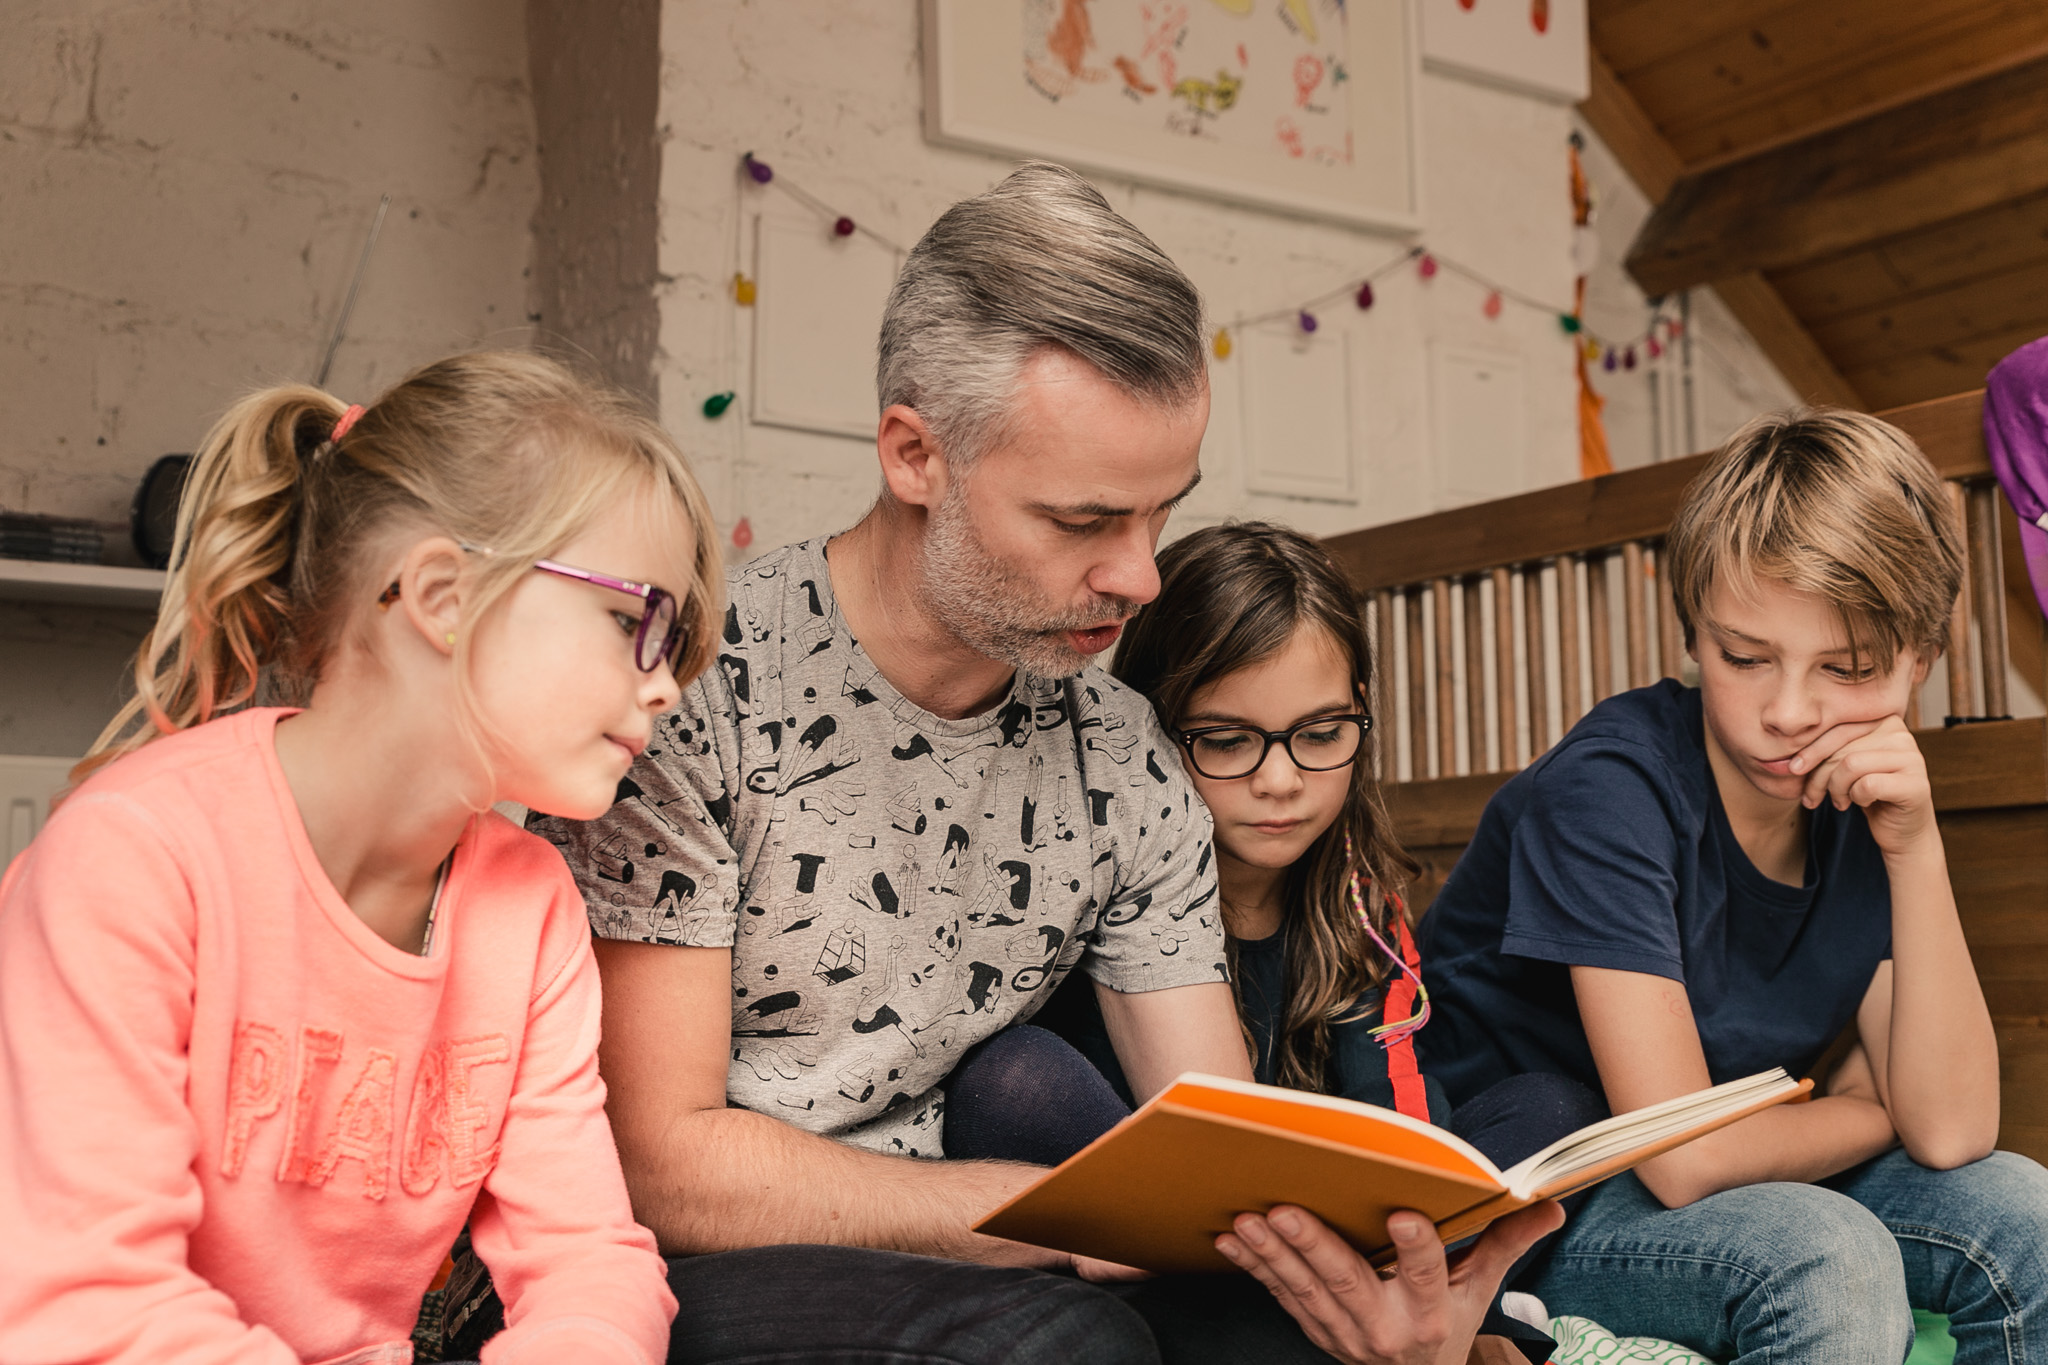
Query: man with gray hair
(903, 806)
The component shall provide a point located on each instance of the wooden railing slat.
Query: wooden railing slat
(1962, 687)
(1446, 681)
(1388, 750)
(1475, 679)
(1635, 633)
(1537, 663)
(1568, 680)
(1504, 669)
(1601, 625)
(1418, 691)
(1670, 637)
(1987, 575)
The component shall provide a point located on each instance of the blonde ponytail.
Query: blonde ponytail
(281, 527)
(226, 613)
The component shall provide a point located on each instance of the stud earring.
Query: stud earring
(449, 637)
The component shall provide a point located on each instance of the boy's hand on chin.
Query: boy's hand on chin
(1427, 1311)
(1876, 765)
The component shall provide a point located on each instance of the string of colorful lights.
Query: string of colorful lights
(1612, 353)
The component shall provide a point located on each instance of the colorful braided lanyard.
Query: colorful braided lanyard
(1406, 1006)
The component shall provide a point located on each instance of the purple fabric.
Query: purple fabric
(2016, 434)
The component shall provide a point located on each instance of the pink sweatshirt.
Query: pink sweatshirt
(236, 1125)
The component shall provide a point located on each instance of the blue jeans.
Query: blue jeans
(1822, 1274)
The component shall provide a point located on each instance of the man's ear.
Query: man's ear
(913, 466)
(430, 590)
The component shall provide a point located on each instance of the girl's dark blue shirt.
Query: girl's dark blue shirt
(1357, 1067)
(1613, 850)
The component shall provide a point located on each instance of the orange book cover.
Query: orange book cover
(1156, 1190)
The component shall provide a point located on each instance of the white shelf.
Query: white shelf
(100, 585)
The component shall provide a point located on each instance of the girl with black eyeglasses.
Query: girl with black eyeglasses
(1257, 660)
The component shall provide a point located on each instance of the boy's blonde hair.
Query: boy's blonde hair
(1831, 502)
(281, 527)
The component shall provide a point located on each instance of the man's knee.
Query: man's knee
(1077, 1321)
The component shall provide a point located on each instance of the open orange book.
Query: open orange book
(1155, 1190)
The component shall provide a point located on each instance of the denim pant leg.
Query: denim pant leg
(1763, 1275)
(1975, 1245)
(853, 1306)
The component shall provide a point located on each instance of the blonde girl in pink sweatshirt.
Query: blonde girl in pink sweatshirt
(282, 1002)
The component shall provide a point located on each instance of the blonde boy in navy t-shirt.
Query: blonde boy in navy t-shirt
(1698, 884)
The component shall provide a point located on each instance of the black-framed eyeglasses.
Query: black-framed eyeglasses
(1316, 746)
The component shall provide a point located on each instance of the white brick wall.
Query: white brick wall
(829, 92)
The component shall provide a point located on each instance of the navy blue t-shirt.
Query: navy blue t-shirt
(1613, 850)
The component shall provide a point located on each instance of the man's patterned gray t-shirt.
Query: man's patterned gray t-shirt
(895, 886)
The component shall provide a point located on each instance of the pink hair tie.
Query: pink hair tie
(348, 419)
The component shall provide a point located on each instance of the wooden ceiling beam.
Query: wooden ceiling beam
(1813, 64)
(1650, 161)
(1959, 150)
(1629, 133)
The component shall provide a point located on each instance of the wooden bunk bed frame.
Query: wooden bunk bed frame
(1485, 662)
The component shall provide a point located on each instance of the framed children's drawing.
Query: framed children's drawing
(1303, 105)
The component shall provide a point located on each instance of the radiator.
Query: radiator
(26, 785)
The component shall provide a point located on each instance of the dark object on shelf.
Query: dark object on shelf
(154, 519)
(63, 540)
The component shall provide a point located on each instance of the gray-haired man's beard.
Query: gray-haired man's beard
(996, 610)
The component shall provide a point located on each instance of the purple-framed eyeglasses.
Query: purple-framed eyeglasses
(659, 635)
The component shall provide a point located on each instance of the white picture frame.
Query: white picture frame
(816, 316)
(1297, 413)
(1500, 43)
(1480, 421)
(1226, 109)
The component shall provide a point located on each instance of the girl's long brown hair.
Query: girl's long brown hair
(281, 528)
(1230, 597)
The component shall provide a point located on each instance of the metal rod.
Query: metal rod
(1656, 416)
(348, 303)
